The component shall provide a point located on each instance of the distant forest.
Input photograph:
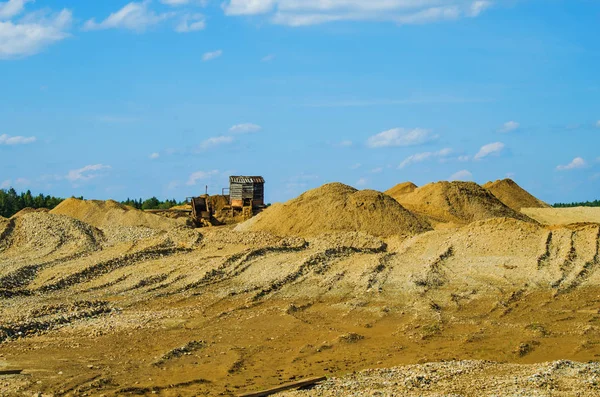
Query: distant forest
(595, 203)
(12, 202)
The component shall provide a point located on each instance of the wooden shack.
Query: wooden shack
(246, 191)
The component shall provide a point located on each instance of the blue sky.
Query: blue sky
(117, 99)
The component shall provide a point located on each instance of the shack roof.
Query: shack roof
(246, 179)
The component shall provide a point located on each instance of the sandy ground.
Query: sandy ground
(563, 216)
(133, 311)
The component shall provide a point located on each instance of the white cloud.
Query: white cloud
(310, 12)
(477, 7)
(420, 157)
(201, 175)
(32, 33)
(86, 173)
(248, 7)
(577, 162)
(400, 137)
(268, 58)
(16, 140)
(346, 143)
(362, 182)
(191, 23)
(489, 149)
(134, 16)
(154, 156)
(12, 8)
(209, 56)
(216, 141)
(6, 184)
(509, 127)
(245, 128)
(463, 175)
(355, 166)
(464, 159)
(22, 182)
(178, 3)
(377, 170)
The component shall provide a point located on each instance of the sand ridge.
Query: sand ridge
(103, 214)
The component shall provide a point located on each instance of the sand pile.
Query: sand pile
(41, 231)
(457, 202)
(513, 195)
(107, 214)
(401, 189)
(337, 208)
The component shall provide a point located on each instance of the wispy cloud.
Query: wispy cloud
(509, 127)
(16, 140)
(400, 137)
(345, 143)
(311, 12)
(420, 157)
(216, 141)
(86, 173)
(135, 16)
(464, 175)
(12, 8)
(209, 56)
(577, 162)
(355, 166)
(5, 184)
(191, 23)
(245, 128)
(32, 33)
(154, 156)
(268, 58)
(201, 175)
(362, 182)
(598, 124)
(489, 149)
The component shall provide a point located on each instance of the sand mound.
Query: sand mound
(401, 189)
(29, 211)
(41, 231)
(513, 195)
(337, 208)
(106, 214)
(457, 202)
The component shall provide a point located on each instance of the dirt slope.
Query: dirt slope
(337, 208)
(237, 312)
(401, 189)
(106, 214)
(457, 202)
(563, 216)
(513, 195)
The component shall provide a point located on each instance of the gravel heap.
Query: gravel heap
(42, 231)
(466, 378)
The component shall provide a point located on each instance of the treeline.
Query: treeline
(151, 204)
(595, 203)
(12, 202)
